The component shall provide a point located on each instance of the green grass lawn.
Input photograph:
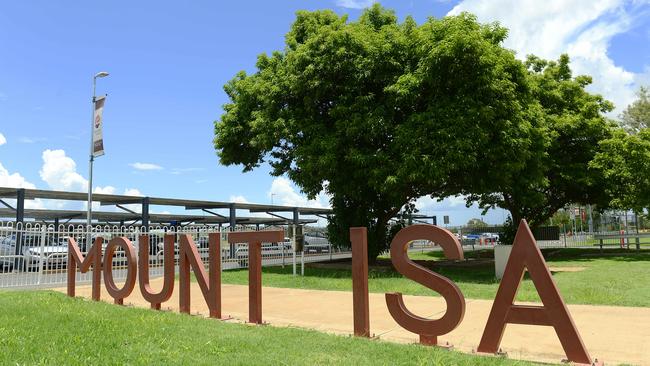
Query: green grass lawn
(48, 328)
(613, 278)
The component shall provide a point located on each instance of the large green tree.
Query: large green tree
(625, 162)
(378, 113)
(636, 116)
(573, 124)
(624, 159)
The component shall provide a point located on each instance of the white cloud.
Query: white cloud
(134, 206)
(100, 190)
(104, 190)
(450, 203)
(179, 171)
(3, 140)
(132, 192)
(238, 199)
(15, 180)
(146, 166)
(354, 4)
(284, 193)
(458, 212)
(112, 190)
(60, 172)
(581, 28)
(31, 140)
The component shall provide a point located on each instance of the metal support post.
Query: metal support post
(42, 255)
(233, 222)
(20, 225)
(302, 262)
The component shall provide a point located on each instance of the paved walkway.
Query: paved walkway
(613, 334)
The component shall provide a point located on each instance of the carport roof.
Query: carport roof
(112, 199)
(107, 216)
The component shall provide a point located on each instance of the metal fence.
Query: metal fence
(34, 255)
(474, 238)
(37, 255)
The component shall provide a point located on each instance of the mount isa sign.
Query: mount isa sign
(525, 256)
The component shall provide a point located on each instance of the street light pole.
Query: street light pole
(92, 158)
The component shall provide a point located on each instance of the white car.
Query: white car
(491, 236)
(49, 254)
(316, 244)
(269, 250)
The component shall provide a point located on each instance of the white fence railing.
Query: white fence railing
(37, 255)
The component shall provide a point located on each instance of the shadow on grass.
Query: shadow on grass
(589, 255)
(483, 274)
(563, 254)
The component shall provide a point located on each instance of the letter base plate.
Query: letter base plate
(427, 340)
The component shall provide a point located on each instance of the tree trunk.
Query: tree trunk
(379, 236)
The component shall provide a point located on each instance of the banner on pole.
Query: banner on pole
(98, 138)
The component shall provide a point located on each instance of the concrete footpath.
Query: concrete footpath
(617, 335)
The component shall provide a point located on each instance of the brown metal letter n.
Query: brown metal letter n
(156, 299)
(210, 284)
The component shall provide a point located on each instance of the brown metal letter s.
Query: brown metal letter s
(428, 329)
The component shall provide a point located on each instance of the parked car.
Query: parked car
(493, 237)
(316, 244)
(269, 250)
(49, 254)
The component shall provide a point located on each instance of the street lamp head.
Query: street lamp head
(101, 74)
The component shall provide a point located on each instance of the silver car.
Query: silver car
(32, 252)
(269, 251)
(316, 244)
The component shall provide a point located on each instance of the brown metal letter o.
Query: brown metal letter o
(131, 269)
(428, 329)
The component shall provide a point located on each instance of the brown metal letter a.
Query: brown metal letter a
(526, 255)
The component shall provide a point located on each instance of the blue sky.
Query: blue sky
(168, 62)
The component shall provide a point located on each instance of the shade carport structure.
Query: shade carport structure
(145, 217)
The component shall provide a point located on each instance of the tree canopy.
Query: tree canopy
(624, 158)
(378, 113)
(572, 123)
(625, 162)
(476, 222)
(636, 116)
